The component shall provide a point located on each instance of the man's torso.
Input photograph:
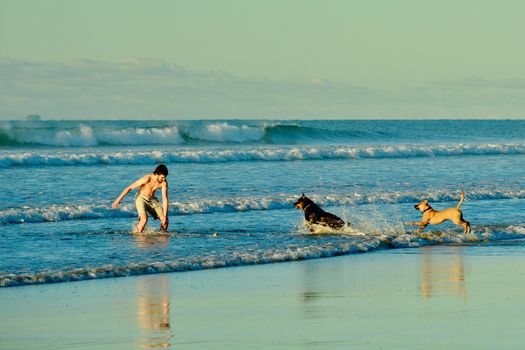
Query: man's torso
(150, 187)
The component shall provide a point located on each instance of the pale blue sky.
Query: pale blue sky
(264, 59)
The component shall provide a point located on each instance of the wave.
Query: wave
(84, 135)
(354, 245)
(21, 134)
(67, 135)
(186, 264)
(6, 140)
(226, 133)
(56, 213)
(193, 155)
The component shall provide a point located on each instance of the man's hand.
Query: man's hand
(164, 222)
(115, 204)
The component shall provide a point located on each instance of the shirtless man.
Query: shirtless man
(145, 199)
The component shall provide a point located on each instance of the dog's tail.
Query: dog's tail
(461, 200)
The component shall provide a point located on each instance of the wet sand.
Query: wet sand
(428, 298)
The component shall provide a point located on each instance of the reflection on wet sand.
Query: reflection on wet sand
(154, 312)
(312, 284)
(443, 274)
(153, 305)
(323, 292)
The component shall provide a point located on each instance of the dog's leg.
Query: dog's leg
(421, 228)
(462, 222)
(466, 227)
(308, 225)
(412, 223)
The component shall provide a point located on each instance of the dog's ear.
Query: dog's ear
(303, 195)
(425, 201)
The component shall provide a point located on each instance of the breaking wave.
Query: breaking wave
(86, 136)
(55, 213)
(89, 134)
(221, 155)
(94, 133)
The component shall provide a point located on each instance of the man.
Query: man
(145, 199)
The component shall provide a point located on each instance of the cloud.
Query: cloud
(151, 88)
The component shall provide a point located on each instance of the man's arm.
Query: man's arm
(164, 218)
(165, 199)
(131, 187)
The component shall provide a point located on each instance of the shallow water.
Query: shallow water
(239, 179)
(428, 298)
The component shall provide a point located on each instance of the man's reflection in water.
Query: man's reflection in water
(154, 312)
(153, 304)
(443, 274)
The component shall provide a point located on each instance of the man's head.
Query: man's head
(161, 172)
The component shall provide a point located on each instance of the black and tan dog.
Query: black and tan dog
(317, 216)
(434, 217)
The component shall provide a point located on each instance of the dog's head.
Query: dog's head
(302, 202)
(422, 206)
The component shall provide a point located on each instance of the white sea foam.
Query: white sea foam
(240, 204)
(41, 158)
(81, 136)
(187, 264)
(291, 253)
(140, 136)
(86, 136)
(517, 229)
(224, 132)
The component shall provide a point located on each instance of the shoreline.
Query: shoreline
(429, 297)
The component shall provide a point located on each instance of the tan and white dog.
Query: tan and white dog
(434, 217)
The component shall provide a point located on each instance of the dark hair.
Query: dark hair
(161, 170)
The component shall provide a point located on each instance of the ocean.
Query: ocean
(232, 185)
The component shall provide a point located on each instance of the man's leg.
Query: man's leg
(141, 210)
(143, 220)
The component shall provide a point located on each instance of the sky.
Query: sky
(174, 59)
